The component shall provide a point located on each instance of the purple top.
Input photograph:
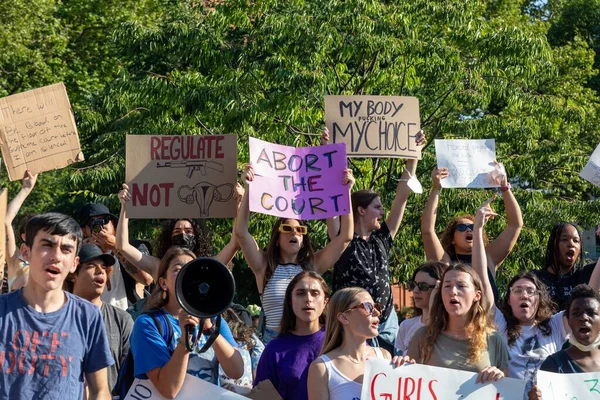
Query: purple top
(285, 362)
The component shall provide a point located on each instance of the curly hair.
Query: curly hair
(478, 325)
(447, 236)
(203, 240)
(305, 256)
(241, 332)
(542, 314)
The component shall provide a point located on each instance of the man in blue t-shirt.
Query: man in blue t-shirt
(50, 339)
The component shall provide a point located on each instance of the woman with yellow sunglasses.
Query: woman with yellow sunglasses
(288, 253)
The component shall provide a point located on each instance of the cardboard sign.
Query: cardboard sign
(421, 382)
(569, 386)
(3, 202)
(181, 176)
(192, 389)
(299, 183)
(469, 162)
(374, 126)
(38, 132)
(591, 171)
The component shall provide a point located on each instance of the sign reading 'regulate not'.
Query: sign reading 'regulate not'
(181, 176)
(38, 132)
(374, 126)
(300, 183)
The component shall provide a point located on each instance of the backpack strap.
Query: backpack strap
(165, 329)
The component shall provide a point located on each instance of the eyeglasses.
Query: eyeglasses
(287, 228)
(518, 291)
(464, 227)
(423, 286)
(368, 307)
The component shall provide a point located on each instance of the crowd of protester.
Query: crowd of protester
(85, 304)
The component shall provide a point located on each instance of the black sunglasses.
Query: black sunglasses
(464, 227)
(423, 286)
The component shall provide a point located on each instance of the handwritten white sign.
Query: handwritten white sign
(383, 382)
(193, 388)
(591, 171)
(569, 386)
(469, 162)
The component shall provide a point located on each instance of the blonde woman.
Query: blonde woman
(461, 337)
(352, 318)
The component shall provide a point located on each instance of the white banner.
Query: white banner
(569, 386)
(469, 162)
(193, 388)
(591, 171)
(417, 381)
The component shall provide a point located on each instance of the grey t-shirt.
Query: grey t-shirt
(118, 328)
(449, 352)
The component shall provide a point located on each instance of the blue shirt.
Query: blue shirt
(45, 355)
(150, 351)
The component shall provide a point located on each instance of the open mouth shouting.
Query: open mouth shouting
(469, 237)
(99, 281)
(570, 256)
(53, 271)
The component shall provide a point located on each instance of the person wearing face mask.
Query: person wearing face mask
(583, 354)
(564, 268)
(183, 233)
(456, 242)
(288, 253)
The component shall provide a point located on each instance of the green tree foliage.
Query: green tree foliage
(480, 70)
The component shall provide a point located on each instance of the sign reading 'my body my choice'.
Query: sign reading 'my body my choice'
(300, 183)
(38, 132)
(374, 126)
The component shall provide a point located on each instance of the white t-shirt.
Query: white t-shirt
(406, 330)
(532, 347)
(116, 296)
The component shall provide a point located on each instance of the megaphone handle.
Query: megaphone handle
(190, 335)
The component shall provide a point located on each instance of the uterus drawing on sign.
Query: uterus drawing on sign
(204, 194)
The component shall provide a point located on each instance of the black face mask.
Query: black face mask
(184, 240)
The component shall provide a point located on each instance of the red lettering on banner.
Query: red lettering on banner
(431, 391)
(186, 147)
(157, 196)
(373, 385)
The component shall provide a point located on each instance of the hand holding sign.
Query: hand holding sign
(591, 171)
(469, 162)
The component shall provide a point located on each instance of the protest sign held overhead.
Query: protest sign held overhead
(374, 126)
(181, 176)
(38, 132)
(423, 382)
(3, 202)
(569, 386)
(470, 163)
(591, 171)
(299, 183)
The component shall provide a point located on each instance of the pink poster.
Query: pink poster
(300, 183)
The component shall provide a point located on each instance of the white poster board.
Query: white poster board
(417, 381)
(569, 386)
(591, 171)
(193, 388)
(469, 162)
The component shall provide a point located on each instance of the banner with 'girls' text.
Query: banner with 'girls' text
(422, 382)
(299, 183)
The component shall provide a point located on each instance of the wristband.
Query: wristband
(505, 188)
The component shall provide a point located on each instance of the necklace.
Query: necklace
(456, 335)
(357, 362)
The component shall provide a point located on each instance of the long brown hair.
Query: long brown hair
(542, 314)
(447, 236)
(339, 302)
(478, 325)
(156, 298)
(305, 255)
(288, 319)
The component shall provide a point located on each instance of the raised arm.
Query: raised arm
(431, 243)
(12, 254)
(479, 257)
(328, 256)
(144, 262)
(402, 192)
(228, 252)
(504, 243)
(255, 257)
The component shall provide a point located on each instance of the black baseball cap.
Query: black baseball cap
(94, 210)
(90, 251)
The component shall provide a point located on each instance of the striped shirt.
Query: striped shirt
(274, 293)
